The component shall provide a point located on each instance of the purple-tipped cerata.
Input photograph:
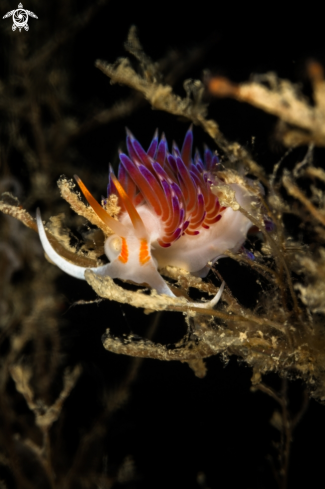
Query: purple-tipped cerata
(174, 186)
(169, 214)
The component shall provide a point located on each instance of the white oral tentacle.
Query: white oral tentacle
(76, 271)
(67, 267)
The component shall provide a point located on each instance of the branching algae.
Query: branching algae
(170, 215)
(173, 214)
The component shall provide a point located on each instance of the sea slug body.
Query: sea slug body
(169, 215)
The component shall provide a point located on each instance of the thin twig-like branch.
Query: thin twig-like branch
(286, 426)
(295, 191)
(283, 100)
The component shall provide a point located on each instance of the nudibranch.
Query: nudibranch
(169, 215)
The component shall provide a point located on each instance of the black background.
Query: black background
(175, 425)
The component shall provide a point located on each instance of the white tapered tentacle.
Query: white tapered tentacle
(212, 303)
(153, 277)
(113, 270)
(67, 267)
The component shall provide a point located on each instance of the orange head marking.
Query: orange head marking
(124, 255)
(144, 255)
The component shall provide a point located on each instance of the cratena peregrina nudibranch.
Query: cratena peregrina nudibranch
(169, 216)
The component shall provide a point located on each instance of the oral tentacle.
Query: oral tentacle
(150, 276)
(74, 270)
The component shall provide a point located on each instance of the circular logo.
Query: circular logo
(20, 19)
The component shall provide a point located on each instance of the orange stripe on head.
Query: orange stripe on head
(124, 255)
(144, 255)
(131, 210)
(115, 226)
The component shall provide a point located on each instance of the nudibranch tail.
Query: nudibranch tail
(210, 304)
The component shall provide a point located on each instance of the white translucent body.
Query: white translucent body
(192, 253)
(147, 273)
